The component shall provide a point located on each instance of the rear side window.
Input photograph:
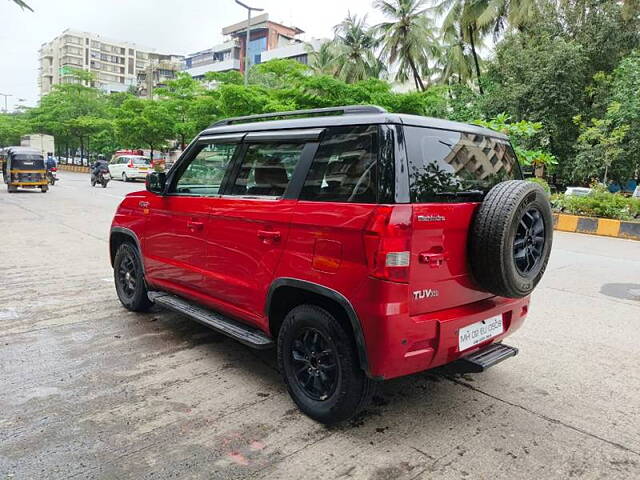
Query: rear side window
(266, 169)
(447, 166)
(345, 167)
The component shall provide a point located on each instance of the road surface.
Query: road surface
(90, 390)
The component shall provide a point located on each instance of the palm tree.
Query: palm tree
(455, 63)
(408, 40)
(355, 46)
(22, 5)
(462, 16)
(323, 60)
(498, 15)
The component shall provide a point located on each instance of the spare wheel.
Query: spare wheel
(511, 239)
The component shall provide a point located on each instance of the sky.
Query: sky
(169, 26)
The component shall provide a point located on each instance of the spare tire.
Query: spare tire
(511, 239)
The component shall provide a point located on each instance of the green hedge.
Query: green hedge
(598, 204)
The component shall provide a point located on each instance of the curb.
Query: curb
(73, 168)
(596, 226)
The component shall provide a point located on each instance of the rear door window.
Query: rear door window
(448, 166)
(345, 166)
(266, 169)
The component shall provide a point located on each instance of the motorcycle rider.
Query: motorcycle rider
(50, 164)
(98, 166)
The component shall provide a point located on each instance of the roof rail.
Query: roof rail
(344, 110)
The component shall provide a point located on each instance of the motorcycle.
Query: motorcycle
(52, 175)
(102, 177)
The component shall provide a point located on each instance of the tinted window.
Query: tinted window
(204, 174)
(345, 167)
(266, 169)
(141, 161)
(446, 166)
(27, 162)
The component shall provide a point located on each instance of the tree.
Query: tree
(144, 123)
(12, 127)
(181, 96)
(355, 45)
(22, 5)
(461, 21)
(323, 60)
(408, 40)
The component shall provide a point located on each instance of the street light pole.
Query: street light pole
(246, 45)
(6, 110)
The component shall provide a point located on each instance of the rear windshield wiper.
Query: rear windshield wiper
(462, 193)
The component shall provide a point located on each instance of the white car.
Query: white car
(129, 167)
(578, 191)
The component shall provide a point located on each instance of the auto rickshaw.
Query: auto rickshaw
(23, 167)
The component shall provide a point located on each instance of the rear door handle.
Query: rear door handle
(267, 235)
(195, 226)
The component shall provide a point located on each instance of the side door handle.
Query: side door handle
(267, 236)
(195, 226)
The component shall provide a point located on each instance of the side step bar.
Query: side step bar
(487, 357)
(249, 336)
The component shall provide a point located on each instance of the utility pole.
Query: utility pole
(6, 109)
(246, 45)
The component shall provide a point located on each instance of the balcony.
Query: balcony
(221, 66)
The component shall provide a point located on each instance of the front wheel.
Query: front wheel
(129, 279)
(318, 360)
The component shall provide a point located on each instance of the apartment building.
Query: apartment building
(117, 66)
(269, 40)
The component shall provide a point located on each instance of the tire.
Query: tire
(93, 182)
(44, 188)
(124, 177)
(133, 296)
(348, 390)
(511, 239)
(104, 184)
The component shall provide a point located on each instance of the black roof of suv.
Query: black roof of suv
(334, 117)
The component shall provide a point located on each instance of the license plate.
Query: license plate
(478, 332)
(143, 169)
(107, 176)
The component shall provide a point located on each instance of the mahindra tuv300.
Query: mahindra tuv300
(364, 245)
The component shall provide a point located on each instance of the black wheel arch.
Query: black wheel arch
(316, 291)
(120, 235)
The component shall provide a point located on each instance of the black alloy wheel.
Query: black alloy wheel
(316, 364)
(129, 278)
(528, 245)
(126, 275)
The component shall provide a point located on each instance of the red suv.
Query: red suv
(364, 245)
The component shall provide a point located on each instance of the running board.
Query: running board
(487, 357)
(249, 336)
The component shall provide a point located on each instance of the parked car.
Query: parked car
(578, 191)
(363, 245)
(129, 167)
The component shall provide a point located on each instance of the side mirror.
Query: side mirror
(156, 181)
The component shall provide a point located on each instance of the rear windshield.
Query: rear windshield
(27, 162)
(447, 166)
(141, 161)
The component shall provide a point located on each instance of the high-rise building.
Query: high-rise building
(269, 40)
(117, 66)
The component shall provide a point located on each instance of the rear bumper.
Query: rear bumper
(401, 344)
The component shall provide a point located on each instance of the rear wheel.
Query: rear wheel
(319, 363)
(44, 188)
(124, 177)
(129, 278)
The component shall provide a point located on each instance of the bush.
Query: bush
(599, 204)
(543, 183)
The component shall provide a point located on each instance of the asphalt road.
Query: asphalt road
(89, 390)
